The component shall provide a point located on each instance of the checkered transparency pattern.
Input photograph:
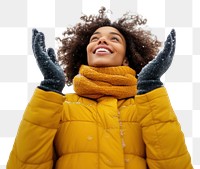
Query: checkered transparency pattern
(19, 73)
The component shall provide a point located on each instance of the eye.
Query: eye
(115, 39)
(94, 38)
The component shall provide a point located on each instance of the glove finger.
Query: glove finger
(38, 50)
(168, 44)
(170, 56)
(52, 55)
(173, 37)
(42, 41)
(34, 33)
(168, 49)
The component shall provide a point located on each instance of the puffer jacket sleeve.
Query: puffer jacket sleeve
(165, 142)
(33, 146)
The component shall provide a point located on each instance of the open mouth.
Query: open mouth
(102, 50)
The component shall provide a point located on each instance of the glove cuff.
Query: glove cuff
(147, 86)
(50, 85)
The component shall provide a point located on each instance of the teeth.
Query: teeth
(102, 50)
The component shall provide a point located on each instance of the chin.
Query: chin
(103, 64)
(99, 64)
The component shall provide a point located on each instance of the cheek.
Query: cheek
(89, 49)
(122, 51)
(89, 53)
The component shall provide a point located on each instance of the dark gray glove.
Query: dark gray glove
(54, 78)
(149, 77)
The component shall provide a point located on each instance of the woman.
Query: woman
(115, 119)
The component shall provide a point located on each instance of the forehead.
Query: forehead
(108, 29)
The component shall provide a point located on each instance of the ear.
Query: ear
(125, 62)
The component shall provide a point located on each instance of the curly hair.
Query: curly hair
(141, 45)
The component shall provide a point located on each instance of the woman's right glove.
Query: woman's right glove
(54, 78)
(149, 77)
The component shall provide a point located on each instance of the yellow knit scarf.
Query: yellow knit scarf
(119, 82)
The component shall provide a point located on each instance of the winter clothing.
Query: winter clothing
(99, 134)
(119, 82)
(149, 77)
(110, 129)
(54, 78)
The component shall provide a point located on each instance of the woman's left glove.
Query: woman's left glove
(54, 78)
(149, 77)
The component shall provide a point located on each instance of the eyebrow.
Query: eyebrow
(113, 33)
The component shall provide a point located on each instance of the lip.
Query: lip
(102, 46)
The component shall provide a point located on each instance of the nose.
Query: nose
(102, 40)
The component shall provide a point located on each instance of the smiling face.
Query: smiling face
(107, 47)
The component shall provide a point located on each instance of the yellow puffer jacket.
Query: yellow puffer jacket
(72, 132)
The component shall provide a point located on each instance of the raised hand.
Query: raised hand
(54, 78)
(149, 77)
